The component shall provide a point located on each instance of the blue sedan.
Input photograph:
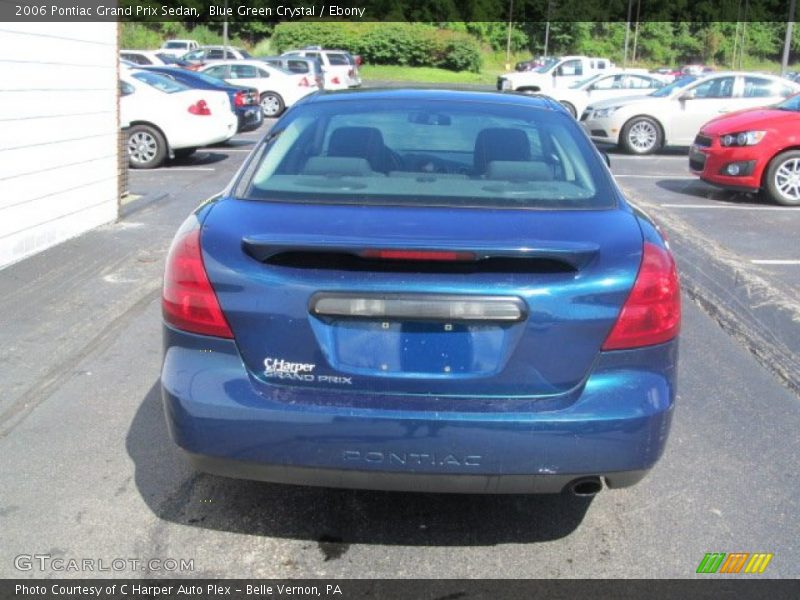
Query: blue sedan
(245, 101)
(422, 290)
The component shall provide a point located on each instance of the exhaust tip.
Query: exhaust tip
(585, 486)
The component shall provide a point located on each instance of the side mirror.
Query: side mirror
(687, 95)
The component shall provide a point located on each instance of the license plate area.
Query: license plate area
(415, 348)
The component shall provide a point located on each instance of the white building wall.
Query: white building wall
(58, 133)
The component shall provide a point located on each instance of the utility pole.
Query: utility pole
(787, 43)
(627, 35)
(508, 38)
(547, 28)
(225, 32)
(636, 30)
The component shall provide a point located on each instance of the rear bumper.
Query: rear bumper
(249, 118)
(402, 482)
(615, 427)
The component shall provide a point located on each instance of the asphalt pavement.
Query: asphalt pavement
(88, 469)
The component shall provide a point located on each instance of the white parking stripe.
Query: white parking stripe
(614, 157)
(655, 176)
(775, 262)
(167, 169)
(729, 207)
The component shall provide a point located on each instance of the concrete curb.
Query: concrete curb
(764, 315)
(143, 201)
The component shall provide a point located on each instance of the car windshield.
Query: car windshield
(436, 153)
(196, 75)
(587, 81)
(675, 85)
(792, 103)
(168, 59)
(161, 83)
(548, 64)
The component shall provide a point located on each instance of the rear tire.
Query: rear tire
(570, 108)
(272, 105)
(147, 148)
(782, 179)
(641, 135)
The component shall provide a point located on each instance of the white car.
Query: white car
(604, 86)
(178, 48)
(147, 57)
(278, 89)
(165, 118)
(672, 115)
(339, 68)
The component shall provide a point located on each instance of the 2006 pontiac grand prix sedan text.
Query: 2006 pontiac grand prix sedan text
(422, 290)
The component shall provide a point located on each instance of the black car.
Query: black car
(244, 100)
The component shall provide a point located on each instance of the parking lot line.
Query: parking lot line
(618, 156)
(636, 176)
(729, 207)
(173, 169)
(775, 262)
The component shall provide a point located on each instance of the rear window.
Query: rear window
(176, 45)
(161, 83)
(437, 153)
(338, 60)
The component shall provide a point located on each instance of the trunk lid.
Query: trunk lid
(313, 301)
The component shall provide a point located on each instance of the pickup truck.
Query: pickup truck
(179, 47)
(555, 73)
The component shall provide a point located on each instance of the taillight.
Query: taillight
(304, 82)
(188, 301)
(652, 313)
(240, 98)
(435, 255)
(200, 108)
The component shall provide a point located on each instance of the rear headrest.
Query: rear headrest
(359, 142)
(530, 170)
(500, 144)
(337, 165)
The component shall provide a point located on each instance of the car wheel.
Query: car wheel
(271, 104)
(783, 178)
(147, 148)
(184, 152)
(570, 108)
(641, 135)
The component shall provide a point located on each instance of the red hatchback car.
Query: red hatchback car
(752, 150)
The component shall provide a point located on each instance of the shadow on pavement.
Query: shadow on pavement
(700, 189)
(333, 518)
(201, 158)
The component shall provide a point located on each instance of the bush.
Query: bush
(412, 44)
(137, 36)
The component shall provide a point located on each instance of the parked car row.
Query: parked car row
(185, 96)
(164, 117)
